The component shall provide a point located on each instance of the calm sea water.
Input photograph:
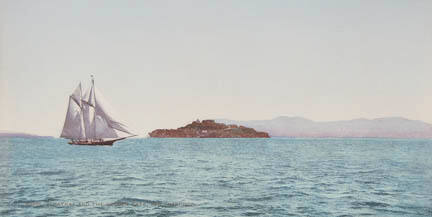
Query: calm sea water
(217, 177)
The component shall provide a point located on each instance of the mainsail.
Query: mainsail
(73, 127)
(89, 117)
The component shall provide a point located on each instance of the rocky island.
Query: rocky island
(209, 129)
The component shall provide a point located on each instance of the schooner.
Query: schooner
(89, 120)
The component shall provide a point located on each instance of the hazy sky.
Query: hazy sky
(162, 64)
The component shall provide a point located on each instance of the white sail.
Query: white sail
(88, 109)
(77, 95)
(105, 114)
(73, 127)
(106, 132)
(88, 117)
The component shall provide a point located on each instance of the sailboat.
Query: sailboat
(89, 120)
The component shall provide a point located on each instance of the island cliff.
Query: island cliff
(209, 129)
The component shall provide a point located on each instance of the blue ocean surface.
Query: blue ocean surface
(217, 177)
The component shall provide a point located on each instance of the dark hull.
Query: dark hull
(94, 143)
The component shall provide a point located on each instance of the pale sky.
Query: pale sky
(162, 64)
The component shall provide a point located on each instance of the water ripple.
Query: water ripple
(217, 177)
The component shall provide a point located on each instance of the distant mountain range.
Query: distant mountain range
(9, 134)
(390, 127)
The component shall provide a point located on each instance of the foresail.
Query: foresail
(73, 127)
(104, 131)
(119, 135)
(106, 125)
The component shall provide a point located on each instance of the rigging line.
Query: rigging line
(123, 131)
(87, 103)
(75, 100)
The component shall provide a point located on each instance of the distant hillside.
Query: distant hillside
(392, 127)
(7, 134)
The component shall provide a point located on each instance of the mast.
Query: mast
(94, 98)
(82, 124)
(88, 106)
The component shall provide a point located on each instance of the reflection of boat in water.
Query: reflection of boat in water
(89, 120)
